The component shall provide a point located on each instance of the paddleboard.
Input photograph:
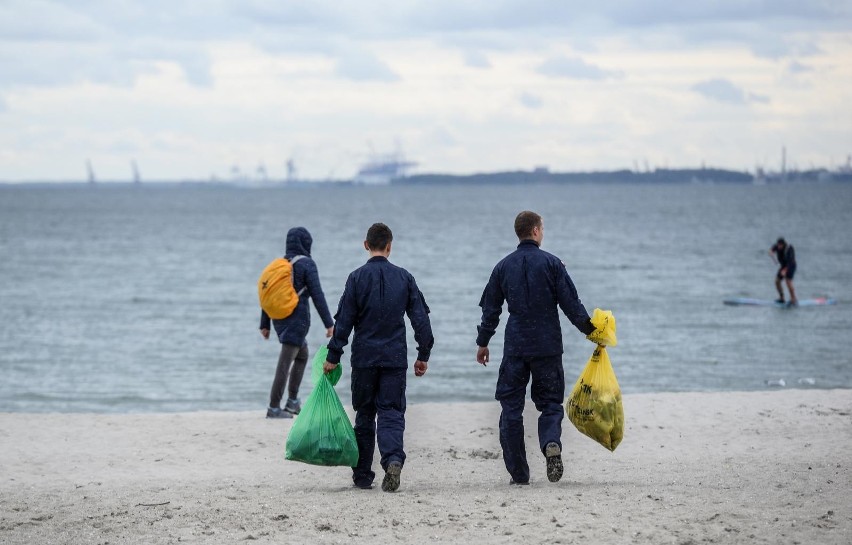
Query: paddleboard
(750, 301)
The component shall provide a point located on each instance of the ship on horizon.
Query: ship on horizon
(382, 169)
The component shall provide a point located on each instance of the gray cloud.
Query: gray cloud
(574, 68)
(37, 20)
(531, 101)
(795, 67)
(724, 90)
(361, 65)
(476, 59)
(721, 90)
(90, 33)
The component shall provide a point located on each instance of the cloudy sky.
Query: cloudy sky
(194, 89)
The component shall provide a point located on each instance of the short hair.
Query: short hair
(781, 241)
(379, 236)
(525, 222)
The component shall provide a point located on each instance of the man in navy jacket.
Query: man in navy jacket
(535, 285)
(374, 303)
(293, 329)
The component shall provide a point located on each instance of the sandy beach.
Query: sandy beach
(763, 467)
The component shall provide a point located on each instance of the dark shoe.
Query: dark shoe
(553, 453)
(391, 480)
(513, 481)
(363, 486)
(293, 406)
(277, 413)
(780, 301)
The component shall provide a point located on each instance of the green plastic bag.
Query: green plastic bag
(322, 434)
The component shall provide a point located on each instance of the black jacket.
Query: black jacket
(535, 285)
(374, 303)
(294, 328)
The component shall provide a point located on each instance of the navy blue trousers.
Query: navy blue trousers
(547, 392)
(378, 397)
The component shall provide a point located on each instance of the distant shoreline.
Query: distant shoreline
(514, 177)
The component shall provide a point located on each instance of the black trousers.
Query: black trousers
(291, 364)
(378, 397)
(547, 392)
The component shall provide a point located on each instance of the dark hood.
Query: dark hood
(299, 241)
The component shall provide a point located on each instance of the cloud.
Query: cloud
(795, 67)
(531, 101)
(36, 20)
(3, 106)
(476, 59)
(255, 66)
(361, 65)
(575, 68)
(94, 33)
(723, 90)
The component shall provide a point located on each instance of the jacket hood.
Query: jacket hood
(299, 241)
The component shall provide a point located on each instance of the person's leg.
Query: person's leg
(512, 383)
(390, 408)
(791, 272)
(390, 424)
(297, 371)
(547, 392)
(778, 287)
(792, 291)
(364, 387)
(285, 358)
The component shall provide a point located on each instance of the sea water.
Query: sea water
(120, 298)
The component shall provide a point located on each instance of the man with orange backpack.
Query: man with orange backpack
(293, 328)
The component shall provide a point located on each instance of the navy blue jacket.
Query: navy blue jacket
(535, 285)
(375, 301)
(294, 328)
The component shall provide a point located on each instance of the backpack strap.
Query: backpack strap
(293, 262)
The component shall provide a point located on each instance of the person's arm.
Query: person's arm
(569, 301)
(347, 311)
(314, 289)
(491, 303)
(418, 314)
(772, 255)
(264, 324)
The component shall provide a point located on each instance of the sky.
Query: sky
(224, 89)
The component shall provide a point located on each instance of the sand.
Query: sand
(765, 467)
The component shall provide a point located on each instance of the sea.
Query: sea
(120, 298)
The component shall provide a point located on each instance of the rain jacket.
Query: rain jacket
(375, 301)
(535, 285)
(294, 328)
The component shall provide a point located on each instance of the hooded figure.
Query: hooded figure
(293, 329)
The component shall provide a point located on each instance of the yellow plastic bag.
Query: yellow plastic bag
(604, 333)
(594, 406)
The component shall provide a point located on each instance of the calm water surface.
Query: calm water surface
(136, 299)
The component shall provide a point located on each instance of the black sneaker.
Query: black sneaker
(780, 301)
(391, 480)
(363, 486)
(553, 453)
(277, 413)
(293, 406)
(518, 483)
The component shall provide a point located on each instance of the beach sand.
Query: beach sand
(747, 467)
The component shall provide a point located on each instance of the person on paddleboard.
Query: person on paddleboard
(784, 255)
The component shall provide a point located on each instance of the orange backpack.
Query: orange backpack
(278, 297)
